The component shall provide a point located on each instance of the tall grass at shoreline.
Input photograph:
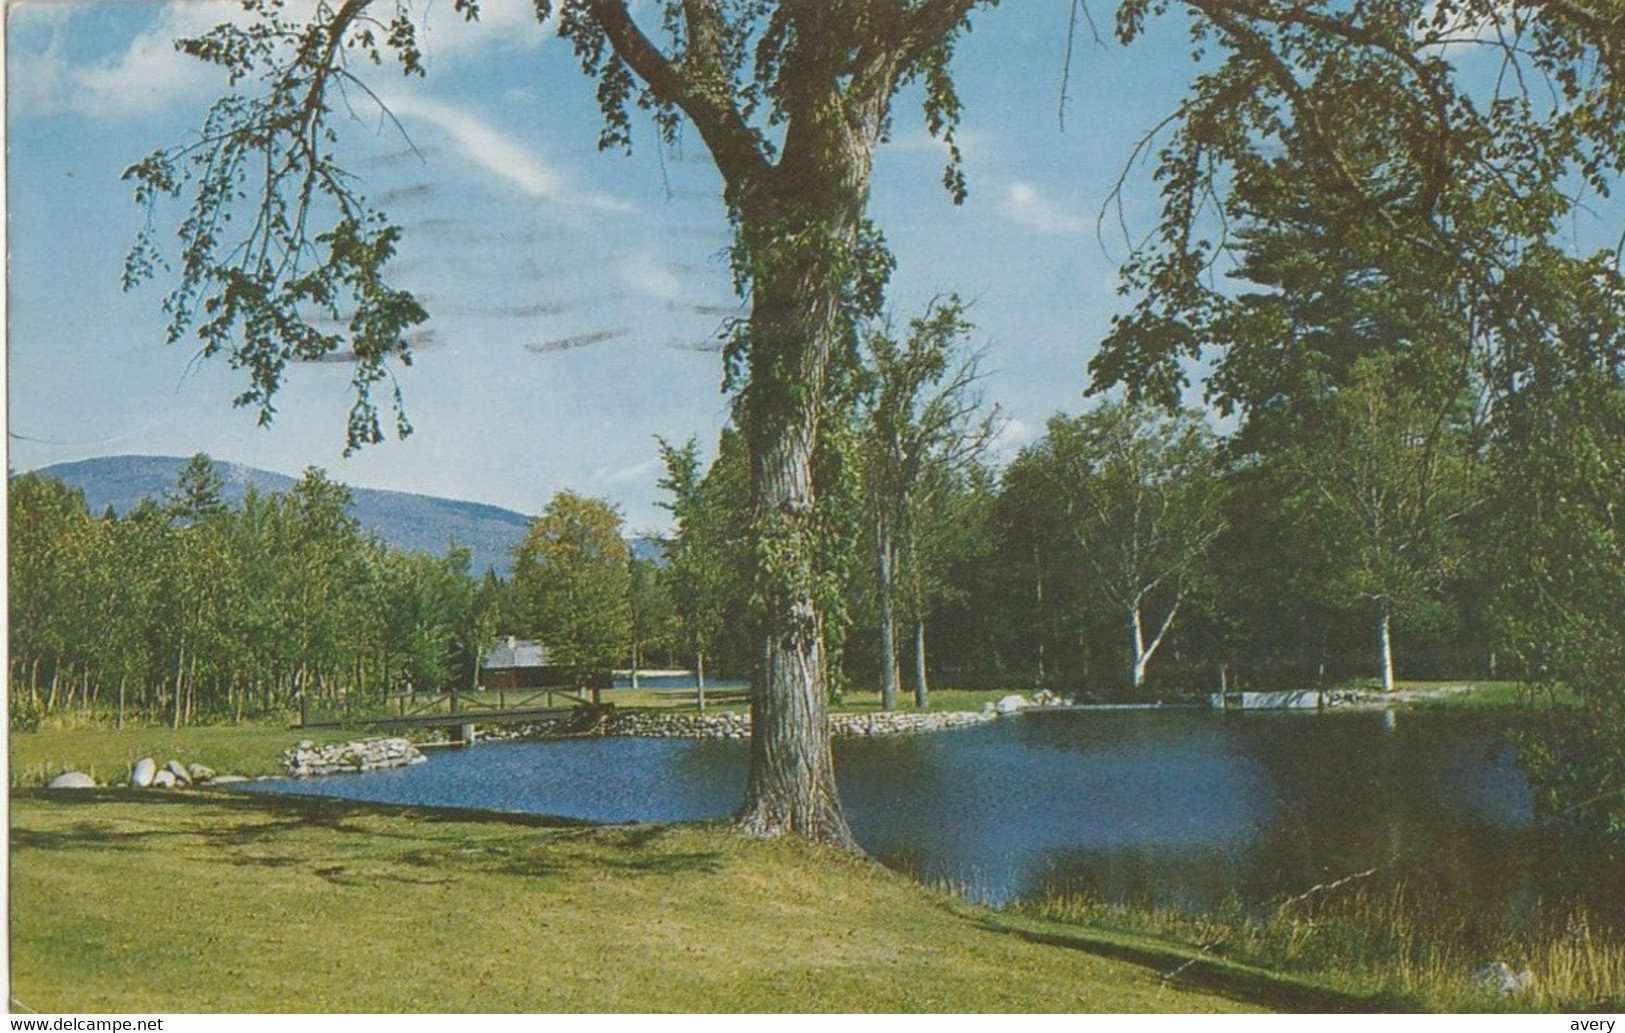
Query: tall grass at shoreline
(1390, 941)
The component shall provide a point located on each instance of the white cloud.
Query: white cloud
(443, 34)
(150, 74)
(639, 473)
(973, 143)
(1462, 26)
(499, 154)
(1011, 438)
(645, 273)
(1025, 205)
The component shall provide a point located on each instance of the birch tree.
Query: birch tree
(923, 421)
(1141, 494)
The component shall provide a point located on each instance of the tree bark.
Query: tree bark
(816, 195)
(1038, 608)
(891, 678)
(1385, 646)
(180, 675)
(1138, 658)
(699, 681)
(790, 788)
(922, 689)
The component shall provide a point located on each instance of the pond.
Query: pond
(1187, 809)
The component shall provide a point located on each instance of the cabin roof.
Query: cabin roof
(515, 652)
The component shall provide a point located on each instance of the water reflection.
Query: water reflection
(1185, 809)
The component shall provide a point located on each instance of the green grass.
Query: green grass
(106, 754)
(1491, 694)
(858, 701)
(1389, 942)
(213, 902)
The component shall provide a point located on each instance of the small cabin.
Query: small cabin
(516, 663)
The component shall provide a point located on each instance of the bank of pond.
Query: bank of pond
(1391, 857)
(1189, 811)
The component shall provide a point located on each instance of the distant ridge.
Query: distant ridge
(421, 523)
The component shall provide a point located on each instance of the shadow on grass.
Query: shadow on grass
(1212, 975)
(629, 849)
(87, 836)
(312, 809)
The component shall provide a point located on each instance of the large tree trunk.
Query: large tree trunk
(790, 787)
(816, 196)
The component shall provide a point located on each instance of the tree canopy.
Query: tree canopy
(572, 582)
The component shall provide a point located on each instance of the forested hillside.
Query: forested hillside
(405, 520)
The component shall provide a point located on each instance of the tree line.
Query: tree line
(186, 609)
(1128, 552)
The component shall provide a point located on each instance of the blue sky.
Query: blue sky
(523, 238)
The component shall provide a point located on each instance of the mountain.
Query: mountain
(423, 523)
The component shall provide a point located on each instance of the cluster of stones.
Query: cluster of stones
(737, 726)
(864, 726)
(146, 774)
(307, 759)
(678, 726)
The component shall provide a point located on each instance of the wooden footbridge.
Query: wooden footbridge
(461, 713)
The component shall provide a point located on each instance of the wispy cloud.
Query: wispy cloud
(647, 274)
(443, 33)
(973, 143)
(499, 154)
(148, 75)
(1012, 437)
(1025, 205)
(639, 473)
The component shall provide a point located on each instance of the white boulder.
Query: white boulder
(142, 774)
(72, 780)
(1011, 704)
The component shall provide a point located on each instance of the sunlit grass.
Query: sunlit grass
(106, 754)
(208, 902)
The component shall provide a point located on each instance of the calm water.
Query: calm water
(1177, 808)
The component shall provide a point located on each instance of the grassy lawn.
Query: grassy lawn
(1491, 694)
(858, 701)
(213, 902)
(106, 754)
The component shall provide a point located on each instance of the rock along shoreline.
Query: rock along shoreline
(728, 725)
(308, 760)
